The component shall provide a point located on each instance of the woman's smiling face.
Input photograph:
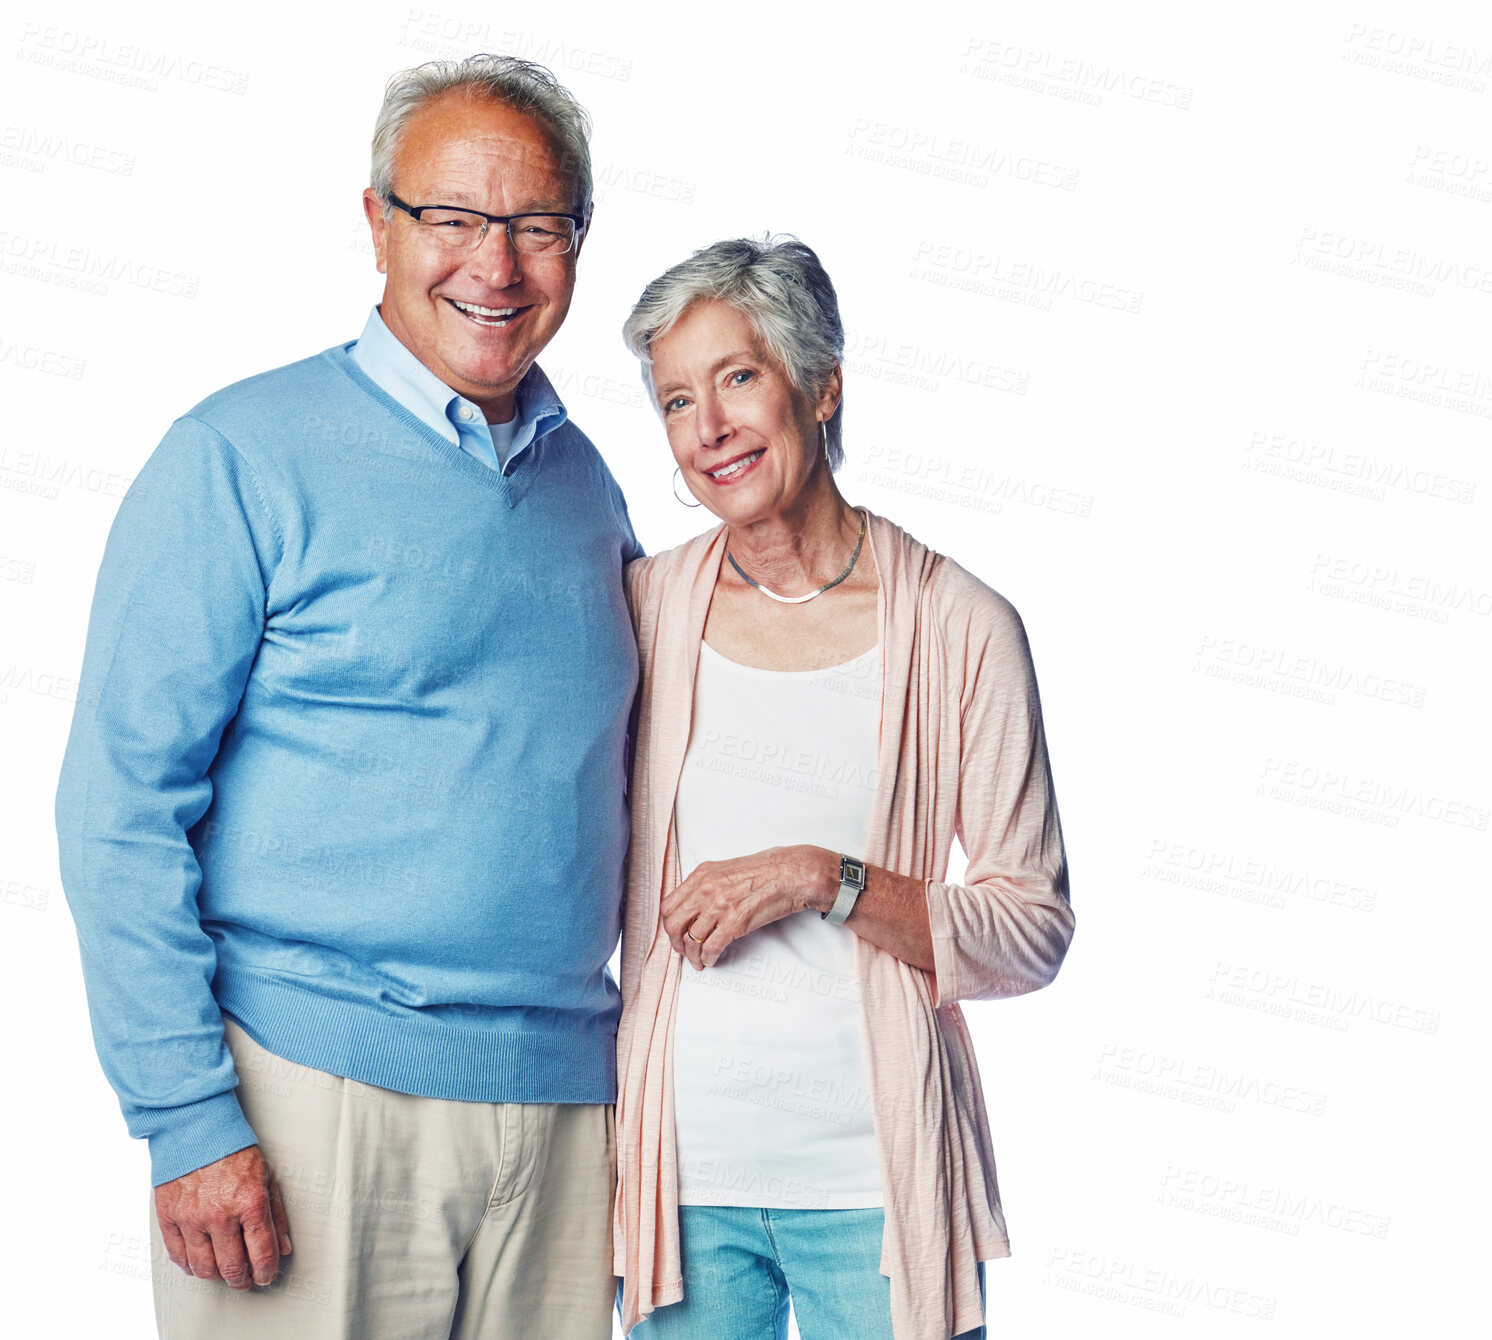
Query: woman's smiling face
(744, 437)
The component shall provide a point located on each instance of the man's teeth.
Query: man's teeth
(486, 316)
(734, 467)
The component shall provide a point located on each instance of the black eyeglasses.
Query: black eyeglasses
(464, 229)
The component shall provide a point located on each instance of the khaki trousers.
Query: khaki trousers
(413, 1218)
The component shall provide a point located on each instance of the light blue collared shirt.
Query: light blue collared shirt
(386, 360)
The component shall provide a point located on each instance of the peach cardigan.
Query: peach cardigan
(961, 751)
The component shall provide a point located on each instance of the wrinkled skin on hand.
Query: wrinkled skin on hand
(226, 1221)
(723, 900)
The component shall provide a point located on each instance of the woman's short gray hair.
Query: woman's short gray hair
(785, 293)
(520, 84)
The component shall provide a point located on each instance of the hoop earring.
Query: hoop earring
(676, 491)
(824, 436)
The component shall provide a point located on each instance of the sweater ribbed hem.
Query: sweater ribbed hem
(553, 1057)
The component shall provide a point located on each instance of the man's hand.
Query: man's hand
(723, 900)
(226, 1221)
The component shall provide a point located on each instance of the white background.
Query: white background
(1168, 322)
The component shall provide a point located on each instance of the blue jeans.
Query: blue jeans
(741, 1265)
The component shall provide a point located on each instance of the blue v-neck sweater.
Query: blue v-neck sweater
(347, 761)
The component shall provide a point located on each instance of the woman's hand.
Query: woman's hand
(723, 900)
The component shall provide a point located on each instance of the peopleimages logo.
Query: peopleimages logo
(33, 149)
(35, 358)
(1297, 674)
(1449, 64)
(33, 257)
(1322, 1003)
(1340, 791)
(1426, 381)
(1358, 473)
(1025, 283)
(19, 893)
(1378, 262)
(1153, 1288)
(1251, 879)
(45, 475)
(951, 157)
(1200, 1084)
(965, 483)
(1368, 582)
(1069, 78)
(908, 363)
(129, 64)
(1275, 1209)
(437, 32)
(1455, 173)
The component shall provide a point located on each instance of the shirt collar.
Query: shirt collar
(387, 361)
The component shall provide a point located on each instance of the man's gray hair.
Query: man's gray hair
(519, 84)
(785, 293)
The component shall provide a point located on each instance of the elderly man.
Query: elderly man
(342, 815)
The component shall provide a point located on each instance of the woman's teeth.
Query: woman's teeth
(735, 467)
(486, 316)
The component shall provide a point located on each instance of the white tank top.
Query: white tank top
(771, 1092)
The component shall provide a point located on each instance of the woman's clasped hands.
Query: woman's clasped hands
(721, 901)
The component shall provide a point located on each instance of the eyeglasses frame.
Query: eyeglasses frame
(414, 212)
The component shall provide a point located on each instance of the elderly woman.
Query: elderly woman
(826, 703)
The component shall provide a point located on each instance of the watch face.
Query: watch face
(852, 872)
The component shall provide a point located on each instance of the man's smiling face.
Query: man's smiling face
(479, 154)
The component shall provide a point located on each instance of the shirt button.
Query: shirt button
(465, 412)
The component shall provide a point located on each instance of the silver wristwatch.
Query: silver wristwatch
(851, 886)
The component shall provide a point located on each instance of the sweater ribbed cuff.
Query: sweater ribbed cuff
(197, 1134)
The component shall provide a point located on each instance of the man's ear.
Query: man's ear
(585, 230)
(373, 209)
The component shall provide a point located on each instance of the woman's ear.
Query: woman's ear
(829, 396)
